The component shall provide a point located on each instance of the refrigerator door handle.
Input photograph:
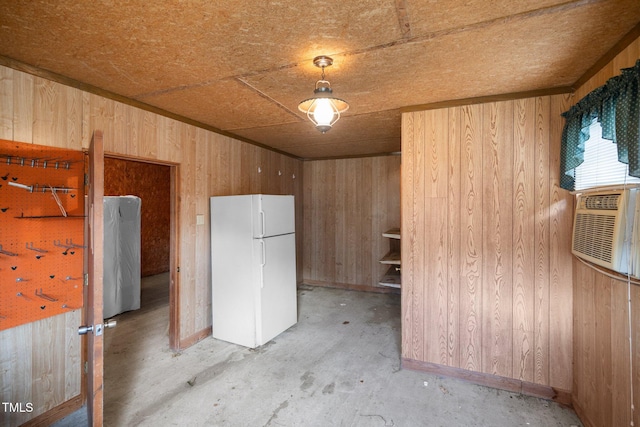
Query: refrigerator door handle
(262, 264)
(262, 224)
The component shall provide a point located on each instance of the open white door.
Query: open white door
(93, 326)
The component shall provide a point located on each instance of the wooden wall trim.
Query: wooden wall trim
(139, 159)
(67, 81)
(174, 261)
(198, 336)
(359, 156)
(59, 412)
(486, 99)
(625, 42)
(526, 388)
(350, 287)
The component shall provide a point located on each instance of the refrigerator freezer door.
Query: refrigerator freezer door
(277, 310)
(273, 215)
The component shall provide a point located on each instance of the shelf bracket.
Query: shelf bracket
(7, 253)
(33, 248)
(39, 294)
(73, 245)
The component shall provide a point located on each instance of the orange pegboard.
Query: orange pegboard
(41, 232)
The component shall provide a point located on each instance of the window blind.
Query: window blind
(601, 166)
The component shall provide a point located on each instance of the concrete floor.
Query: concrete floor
(339, 366)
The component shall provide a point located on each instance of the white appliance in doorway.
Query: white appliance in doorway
(253, 253)
(122, 249)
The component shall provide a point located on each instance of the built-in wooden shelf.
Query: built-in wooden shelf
(391, 258)
(393, 233)
(392, 278)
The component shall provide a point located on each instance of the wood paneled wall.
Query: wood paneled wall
(40, 363)
(38, 111)
(487, 279)
(602, 374)
(348, 204)
(151, 183)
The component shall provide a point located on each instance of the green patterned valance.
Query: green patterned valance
(616, 105)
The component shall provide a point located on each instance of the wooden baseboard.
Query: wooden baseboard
(57, 413)
(562, 397)
(351, 287)
(198, 336)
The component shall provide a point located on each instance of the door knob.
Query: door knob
(83, 330)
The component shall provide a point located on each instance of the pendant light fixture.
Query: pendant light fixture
(323, 109)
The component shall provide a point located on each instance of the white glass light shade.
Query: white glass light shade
(323, 109)
(324, 112)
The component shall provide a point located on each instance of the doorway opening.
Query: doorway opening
(151, 329)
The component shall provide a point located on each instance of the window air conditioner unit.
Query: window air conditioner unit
(604, 232)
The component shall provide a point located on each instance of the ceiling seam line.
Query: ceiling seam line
(572, 4)
(403, 19)
(176, 89)
(268, 98)
(475, 26)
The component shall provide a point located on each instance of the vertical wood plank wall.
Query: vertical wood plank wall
(348, 204)
(38, 111)
(487, 279)
(602, 377)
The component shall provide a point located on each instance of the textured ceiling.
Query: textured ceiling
(243, 66)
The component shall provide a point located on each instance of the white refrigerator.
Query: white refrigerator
(253, 267)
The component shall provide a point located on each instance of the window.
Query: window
(601, 166)
(615, 105)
